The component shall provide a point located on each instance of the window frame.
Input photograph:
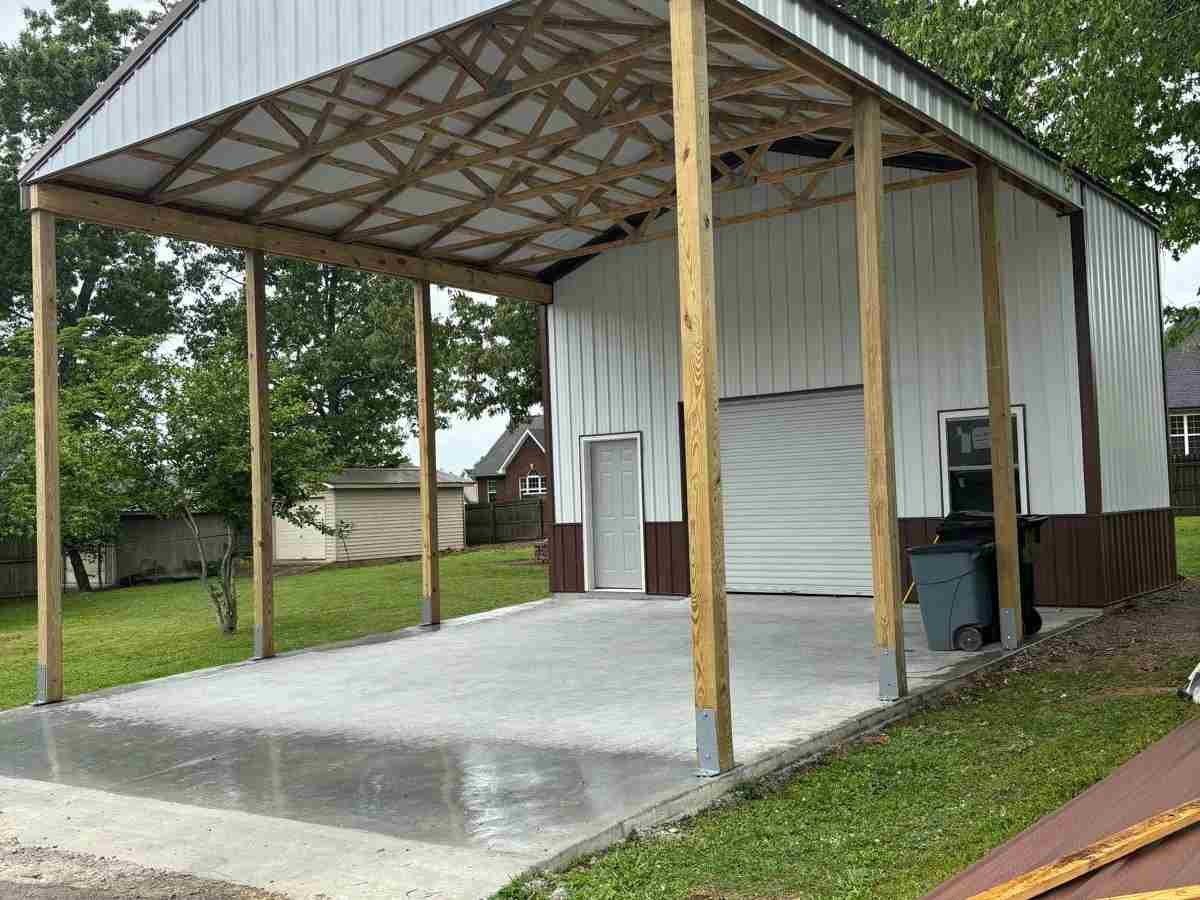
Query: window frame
(947, 416)
(493, 489)
(523, 481)
(1187, 434)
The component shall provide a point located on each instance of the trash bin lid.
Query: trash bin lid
(953, 547)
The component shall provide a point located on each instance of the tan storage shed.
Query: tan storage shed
(381, 512)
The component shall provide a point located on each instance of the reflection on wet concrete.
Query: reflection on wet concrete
(499, 795)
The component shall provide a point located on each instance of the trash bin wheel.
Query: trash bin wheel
(969, 638)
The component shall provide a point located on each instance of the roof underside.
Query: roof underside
(523, 139)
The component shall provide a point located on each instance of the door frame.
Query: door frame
(585, 452)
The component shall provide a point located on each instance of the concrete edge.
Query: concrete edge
(689, 802)
(411, 631)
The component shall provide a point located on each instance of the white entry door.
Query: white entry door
(794, 481)
(615, 514)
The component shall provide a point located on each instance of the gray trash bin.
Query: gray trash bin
(957, 593)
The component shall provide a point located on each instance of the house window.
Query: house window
(491, 490)
(1185, 434)
(533, 485)
(966, 438)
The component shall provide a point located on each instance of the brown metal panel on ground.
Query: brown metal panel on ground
(698, 339)
(431, 590)
(45, 411)
(1157, 780)
(995, 328)
(877, 398)
(261, 519)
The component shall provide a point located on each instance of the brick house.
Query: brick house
(516, 465)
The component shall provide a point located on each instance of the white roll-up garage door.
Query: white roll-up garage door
(793, 469)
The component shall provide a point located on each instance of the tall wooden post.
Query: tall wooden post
(261, 524)
(877, 398)
(995, 329)
(698, 330)
(431, 591)
(45, 423)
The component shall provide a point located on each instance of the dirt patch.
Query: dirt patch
(1146, 635)
(41, 873)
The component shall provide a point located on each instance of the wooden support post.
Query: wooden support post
(877, 398)
(431, 591)
(995, 329)
(261, 523)
(698, 330)
(45, 423)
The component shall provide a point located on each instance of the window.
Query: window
(533, 485)
(966, 438)
(1185, 435)
(491, 490)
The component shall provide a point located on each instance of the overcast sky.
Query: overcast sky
(462, 445)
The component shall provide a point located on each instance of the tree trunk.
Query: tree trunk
(228, 610)
(83, 581)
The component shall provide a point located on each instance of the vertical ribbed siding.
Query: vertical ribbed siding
(788, 321)
(1122, 259)
(225, 52)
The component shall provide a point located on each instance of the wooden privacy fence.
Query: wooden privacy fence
(504, 522)
(1185, 487)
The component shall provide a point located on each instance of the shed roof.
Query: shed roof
(494, 461)
(506, 137)
(388, 477)
(1183, 376)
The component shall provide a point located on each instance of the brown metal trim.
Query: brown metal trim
(1089, 419)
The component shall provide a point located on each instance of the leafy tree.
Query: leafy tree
(109, 436)
(497, 365)
(114, 278)
(346, 337)
(1182, 324)
(206, 459)
(1111, 85)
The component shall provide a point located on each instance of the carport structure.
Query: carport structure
(495, 147)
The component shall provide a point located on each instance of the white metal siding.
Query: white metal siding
(1124, 304)
(225, 52)
(386, 522)
(794, 482)
(787, 301)
(294, 542)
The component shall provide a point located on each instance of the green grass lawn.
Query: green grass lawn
(893, 818)
(1187, 545)
(128, 635)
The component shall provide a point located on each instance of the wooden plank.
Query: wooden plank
(995, 330)
(431, 591)
(45, 412)
(101, 209)
(877, 396)
(261, 523)
(698, 330)
(1101, 853)
(1178, 893)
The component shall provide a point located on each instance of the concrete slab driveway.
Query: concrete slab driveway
(431, 763)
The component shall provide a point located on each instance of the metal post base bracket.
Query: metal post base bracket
(1008, 628)
(43, 688)
(889, 676)
(428, 619)
(259, 644)
(707, 759)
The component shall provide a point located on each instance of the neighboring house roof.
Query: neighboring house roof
(1183, 377)
(496, 460)
(392, 477)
